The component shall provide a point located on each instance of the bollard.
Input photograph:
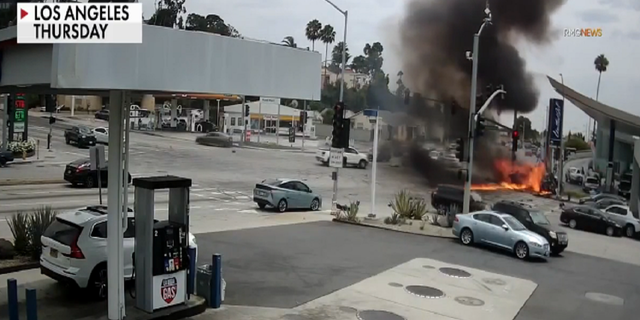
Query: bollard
(32, 306)
(38, 150)
(216, 281)
(12, 288)
(191, 275)
(24, 154)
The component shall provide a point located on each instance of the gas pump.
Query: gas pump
(161, 258)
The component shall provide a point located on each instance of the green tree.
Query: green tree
(327, 36)
(289, 41)
(359, 64)
(336, 57)
(601, 63)
(313, 32)
(578, 135)
(212, 23)
(169, 14)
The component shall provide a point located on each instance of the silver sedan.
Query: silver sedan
(501, 231)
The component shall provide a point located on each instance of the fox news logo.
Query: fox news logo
(582, 32)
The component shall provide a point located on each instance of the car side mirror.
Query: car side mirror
(310, 191)
(505, 227)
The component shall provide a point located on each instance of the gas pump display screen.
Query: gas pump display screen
(169, 231)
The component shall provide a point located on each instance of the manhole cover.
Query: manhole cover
(494, 281)
(605, 298)
(378, 315)
(395, 284)
(429, 267)
(469, 301)
(455, 272)
(425, 292)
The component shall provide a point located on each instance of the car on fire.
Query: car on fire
(589, 219)
(501, 231)
(534, 220)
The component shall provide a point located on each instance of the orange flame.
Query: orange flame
(529, 177)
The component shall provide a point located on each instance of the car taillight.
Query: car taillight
(456, 218)
(82, 168)
(76, 252)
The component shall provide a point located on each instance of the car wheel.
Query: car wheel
(262, 205)
(630, 231)
(556, 252)
(573, 224)
(344, 162)
(610, 231)
(315, 204)
(89, 182)
(466, 236)
(521, 250)
(362, 164)
(98, 282)
(66, 140)
(3, 162)
(282, 205)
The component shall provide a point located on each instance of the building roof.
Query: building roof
(625, 122)
(266, 108)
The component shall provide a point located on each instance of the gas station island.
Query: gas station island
(162, 64)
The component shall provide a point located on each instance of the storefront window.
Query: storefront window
(233, 121)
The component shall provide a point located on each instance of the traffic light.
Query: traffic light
(460, 149)
(514, 140)
(338, 125)
(247, 110)
(480, 126)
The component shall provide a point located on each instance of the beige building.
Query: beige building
(393, 125)
(352, 79)
(95, 103)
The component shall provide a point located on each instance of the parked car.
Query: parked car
(534, 220)
(589, 219)
(102, 135)
(623, 216)
(5, 157)
(591, 184)
(206, 126)
(74, 249)
(102, 114)
(606, 202)
(599, 196)
(624, 187)
(502, 231)
(284, 194)
(573, 176)
(351, 157)
(79, 173)
(80, 135)
(447, 195)
(215, 139)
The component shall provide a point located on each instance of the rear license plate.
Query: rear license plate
(68, 171)
(53, 253)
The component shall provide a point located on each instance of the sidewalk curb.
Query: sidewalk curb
(21, 162)
(21, 267)
(390, 229)
(17, 182)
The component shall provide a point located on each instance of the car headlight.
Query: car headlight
(83, 137)
(536, 244)
(553, 235)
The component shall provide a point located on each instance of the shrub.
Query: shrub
(351, 214)
(394, 219)
(39, 221)
(17, 147)
(419, 209)
(408, 207)
(19, 225)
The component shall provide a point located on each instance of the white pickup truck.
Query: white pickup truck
(351, 158)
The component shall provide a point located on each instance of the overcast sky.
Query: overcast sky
(376, 20)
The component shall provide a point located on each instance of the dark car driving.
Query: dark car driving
(535, 221)
(79, 173)
(5, 157)
(598, 197)
(447, 195)
(80, 135)
(589, 219)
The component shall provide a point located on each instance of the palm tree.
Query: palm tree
(313, 32)
(600, 63)
(289, 41)
(327, 36)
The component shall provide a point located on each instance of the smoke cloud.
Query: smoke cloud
(435, 35)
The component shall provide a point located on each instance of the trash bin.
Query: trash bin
(203, 283)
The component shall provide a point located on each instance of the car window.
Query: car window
(62, 231)
(514, 223)
(272, 182)
(301, 186)
(618, 211)
(496, 221)
(100, 130)
(84, 130)
(482, 217)
(539, 218)
(131, 228)
(99, 230)
(350, 150)
(288, 185)
(592, 180)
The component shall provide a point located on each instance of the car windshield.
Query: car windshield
(592, 180)
(272, 182)
(84, 130)
(539, 218)
(476, 197)
(513, 223)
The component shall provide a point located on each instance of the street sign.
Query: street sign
(292, 135)
(370, 113)
(19, 114)
(335, 157)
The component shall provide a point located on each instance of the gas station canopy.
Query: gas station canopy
(625, 122)
(168, 60)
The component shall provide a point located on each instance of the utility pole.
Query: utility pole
(472, 108)
(244, 123)
(5, 121)
(561, 157)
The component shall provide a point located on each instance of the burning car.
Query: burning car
(520, 177)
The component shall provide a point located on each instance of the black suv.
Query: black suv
(447, 195)
(81, 136)
(535, 221)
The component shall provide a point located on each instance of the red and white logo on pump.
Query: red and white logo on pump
(169, 289)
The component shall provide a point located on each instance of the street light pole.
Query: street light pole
(218, 115)
(472, 109)
(561, 157)
(334, 197)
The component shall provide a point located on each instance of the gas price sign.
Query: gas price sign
(19, 114)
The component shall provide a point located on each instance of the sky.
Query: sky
(377, 20)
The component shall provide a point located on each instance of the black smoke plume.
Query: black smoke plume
(436, 34)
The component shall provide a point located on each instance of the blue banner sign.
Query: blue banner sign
(556, 118)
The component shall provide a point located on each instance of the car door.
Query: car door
(617, 213)
(496, 234)
(291, 194)
(303, 193)
(101, 135)
(591, 219)
(352, 156)
(480, 226)
(129, 244)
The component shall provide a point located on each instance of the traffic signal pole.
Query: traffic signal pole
(5, 122)
(472, 109)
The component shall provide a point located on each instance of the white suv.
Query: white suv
(351, 157)
(74, 249)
